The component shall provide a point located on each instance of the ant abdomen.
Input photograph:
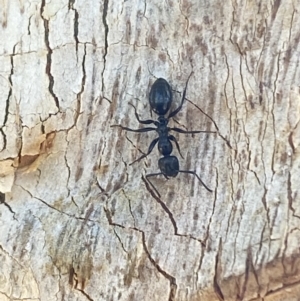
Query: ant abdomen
(169, 166)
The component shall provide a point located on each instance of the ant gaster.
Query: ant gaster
(160, 99)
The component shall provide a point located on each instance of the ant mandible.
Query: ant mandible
(160, 99)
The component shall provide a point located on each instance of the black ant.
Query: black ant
(160, 99)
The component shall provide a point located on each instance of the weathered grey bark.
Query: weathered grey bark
(77, 222)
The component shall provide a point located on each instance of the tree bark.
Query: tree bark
(78, 222)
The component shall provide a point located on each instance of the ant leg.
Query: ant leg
(152, 175)
(134, 130)
(182, 100)
(149, 151)
(189, 132)
(193, 173)
(172, 138)
(148, 121)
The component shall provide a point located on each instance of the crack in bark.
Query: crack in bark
(162, 204)
(214, 207)
(28, 27)
(272, 113)
(9, 80)
(225, 84)
(2, 201)
(242, 82)
(4, 139)
(248, 268)
(106, 30)
(253, 270)
(98, 167)
(216, 286)
(236, 108)
(284, 287)
(71, 7)
(172, 280)
(10, 256)
(232, 207)
(290, 197)
(104, 97)
(72, 277)
(231, 30)
(83, 219)
(85, 294)
(291, 25)
(109, 218)
(261, 52)
(10, 88)
(185, 17)
(169, 56)
(119, 239)
(60, 286)
(283, 254)
(248, 166)
(69, 170)
(134, 145)
(261, 241)
(268, 218)
(170, 215)
(215, 124)
(125, 164)
(101, 188)
(129, 205)
(83, 81)
(49, 55)
(199, 266)
(235, 244)
(7, 296)
(291, 143)
(273, 221)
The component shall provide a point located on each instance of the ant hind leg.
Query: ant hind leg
(193, 173)
(152, 175)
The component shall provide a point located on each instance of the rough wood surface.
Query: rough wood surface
(78, 222)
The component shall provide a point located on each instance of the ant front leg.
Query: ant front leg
(148, 121)
(182, 100)
(133, 130)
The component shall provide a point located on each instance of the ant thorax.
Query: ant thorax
(162, 120)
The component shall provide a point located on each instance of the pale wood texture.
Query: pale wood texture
(77, 222)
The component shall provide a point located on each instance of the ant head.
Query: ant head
(160, 97)
(169, 166)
